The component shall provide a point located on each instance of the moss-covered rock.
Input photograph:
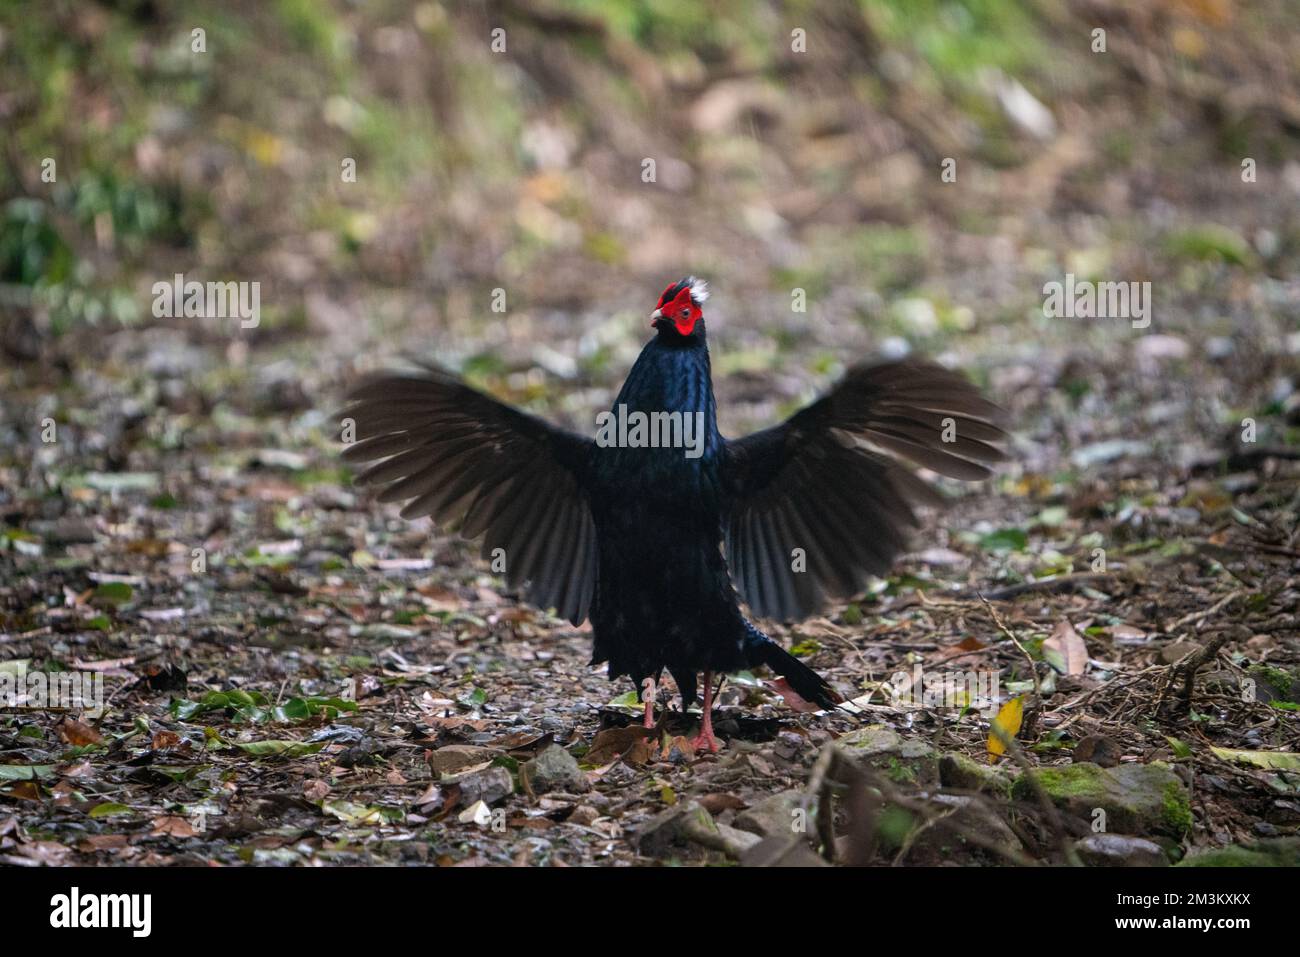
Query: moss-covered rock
(905, 761)
(1277, 852)
(956, 770)
(1274, 684)
(1136, 798)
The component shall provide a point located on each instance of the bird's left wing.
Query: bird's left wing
(477, 465)
(825, 482)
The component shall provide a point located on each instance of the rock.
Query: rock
(1279, 852)
(1098, 749)
(1137, 798)
(1120, 850)
(729, 840)
(69, 530)
(458, 758)
(1274, 684)
(885, 751)
(772, 815)
(938, 843)
(958, 771)
(782, 851)
(488, 785)
(554, 769)
(676, 827)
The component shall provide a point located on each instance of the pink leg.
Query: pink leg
(706, 739)
(649, 711)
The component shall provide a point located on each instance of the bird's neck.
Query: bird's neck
(672, 375)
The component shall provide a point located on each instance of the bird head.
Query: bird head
(679, 306)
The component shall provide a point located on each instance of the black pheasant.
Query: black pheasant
(659, 527)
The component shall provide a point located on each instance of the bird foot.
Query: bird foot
(705, 741)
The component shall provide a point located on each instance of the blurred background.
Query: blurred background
(911, 172)
(522, 170)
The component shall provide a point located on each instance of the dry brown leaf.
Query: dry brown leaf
(722, 801)
(793, 698)
(1067, 643)
(165, 739)
(78, 734)
(171, 826)
(315, 789)
(631, 743)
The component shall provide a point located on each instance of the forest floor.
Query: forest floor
(293, 675)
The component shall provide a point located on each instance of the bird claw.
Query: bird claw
(705, 742)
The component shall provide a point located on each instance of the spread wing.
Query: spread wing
(487, 469)
(826, 481)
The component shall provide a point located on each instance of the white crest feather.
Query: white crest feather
(699, 290)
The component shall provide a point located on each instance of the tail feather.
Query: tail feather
(805, 682)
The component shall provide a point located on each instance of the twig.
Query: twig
(1051, 586)
(1006, 630)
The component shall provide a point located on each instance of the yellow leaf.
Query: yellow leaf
(1008, 722)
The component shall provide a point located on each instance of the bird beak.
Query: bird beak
(656, 316)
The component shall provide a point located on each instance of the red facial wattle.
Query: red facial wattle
(683, 311)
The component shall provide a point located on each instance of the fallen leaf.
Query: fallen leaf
(792, 697)
(78, 734)
(1269, 760)
(614, 743)
(102, 842)
(165, 739)
(721, 801)
(1065, 649)
(1010, 715)
(478, 813)
(171, 826)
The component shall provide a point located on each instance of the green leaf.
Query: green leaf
(1180, 748)
(114, 593)
(301, 709)
(108, 809)
(1052, 516)
(629, 701)
(25, 772)
(248, 706)
(475, 698)
(287, 749)
(1005, 540)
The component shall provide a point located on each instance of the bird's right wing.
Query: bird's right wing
(825, 482)
(476, 464)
